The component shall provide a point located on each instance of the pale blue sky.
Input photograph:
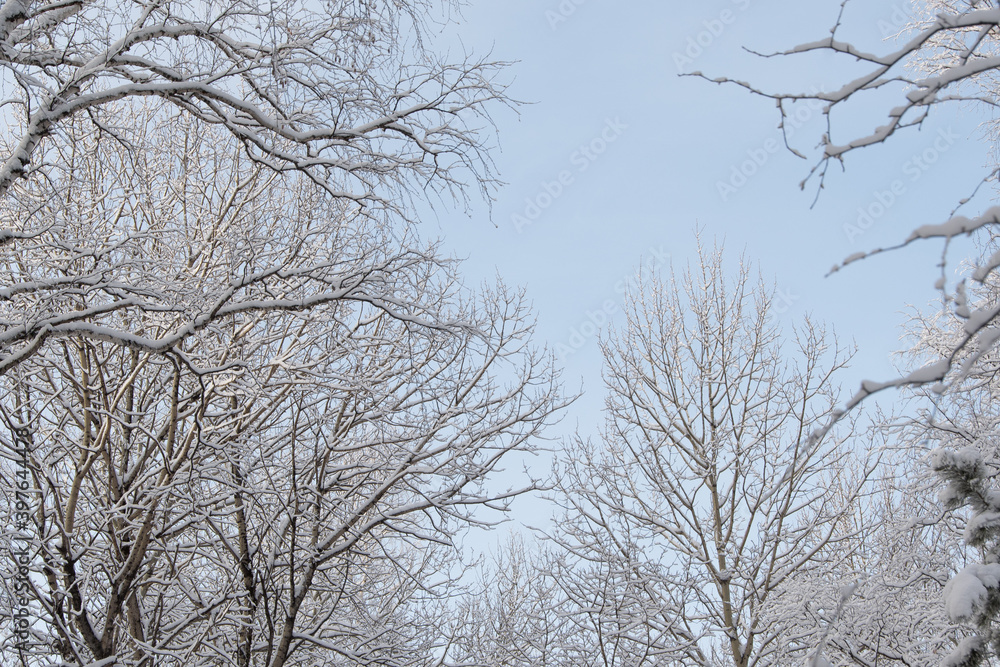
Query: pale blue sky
(674, 140)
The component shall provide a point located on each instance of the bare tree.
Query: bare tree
(538, 607)
(265, 458)
(957, 424)
(250, 408)
(708, 494)
(512, 617)
(345, 91)
(346, 94)
(877, 600)
(948, 56)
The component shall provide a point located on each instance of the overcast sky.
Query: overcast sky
(618, 159)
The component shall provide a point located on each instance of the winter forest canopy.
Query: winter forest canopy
(265, 402)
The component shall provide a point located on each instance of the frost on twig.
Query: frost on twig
(950, 56)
